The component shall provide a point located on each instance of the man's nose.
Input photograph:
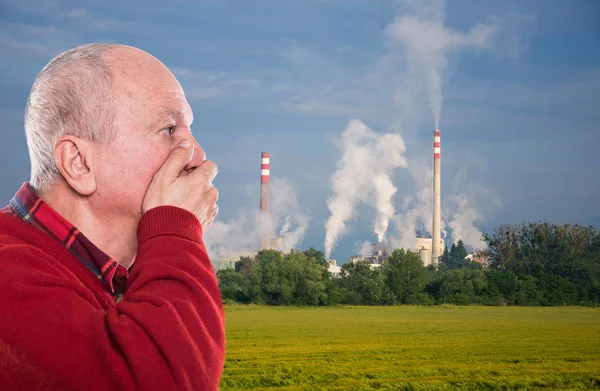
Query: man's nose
(198, 158)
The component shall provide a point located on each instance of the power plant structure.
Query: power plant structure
(379, 255)
(437, 208)
(265, 173)
(423, 247)
(265, 241)
(430, 249)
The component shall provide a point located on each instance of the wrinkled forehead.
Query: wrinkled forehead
(144, 85)
(137, 72)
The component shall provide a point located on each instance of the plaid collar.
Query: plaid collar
(33, 210)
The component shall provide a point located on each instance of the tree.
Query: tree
(308, 278)
(457, 258)
(405, 275)
(244, 265)
(463, 286)
(360, 284)
(318, 255)
(444, 259)
(563, 259)
(291, 280)
(233, 286)
(267, 282)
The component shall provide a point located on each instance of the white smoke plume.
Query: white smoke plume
(463, 222)
(470, 205)
(363, 176)
(416, 209)
(428, 43)
(286, 214)
(364, 248)
(241, 233)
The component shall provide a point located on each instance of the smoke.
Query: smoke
(427, 47)
(242, 232)
(463, 223)
(416, 209)
(428, 44)
(286, 214)
(470, 205)
(363, 176)
(364, 248)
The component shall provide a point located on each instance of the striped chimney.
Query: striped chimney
(264, 200)
(264, 182)
(436, 234)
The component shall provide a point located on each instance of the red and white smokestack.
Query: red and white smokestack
(264, 182)
(265, 173)
(436, 234)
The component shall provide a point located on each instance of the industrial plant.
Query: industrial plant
(429, 248)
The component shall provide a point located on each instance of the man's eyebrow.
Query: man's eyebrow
(168, 112)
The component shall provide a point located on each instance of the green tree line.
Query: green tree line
(528, 264)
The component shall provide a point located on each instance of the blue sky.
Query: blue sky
(519, 120)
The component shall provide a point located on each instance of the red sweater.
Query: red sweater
(61, 329)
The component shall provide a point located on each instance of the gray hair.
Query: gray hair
(70, 96)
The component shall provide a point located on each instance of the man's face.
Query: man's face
(152, 117)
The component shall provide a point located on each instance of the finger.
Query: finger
(212, 195)
(179, 157)
(208, 170)
(210, 218)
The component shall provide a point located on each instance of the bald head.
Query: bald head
(74, 95)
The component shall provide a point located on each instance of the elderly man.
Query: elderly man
(116, 177)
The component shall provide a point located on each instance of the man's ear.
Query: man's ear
(75, 161)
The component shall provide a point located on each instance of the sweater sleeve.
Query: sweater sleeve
(166, 334)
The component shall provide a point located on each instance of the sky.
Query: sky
(344, 95)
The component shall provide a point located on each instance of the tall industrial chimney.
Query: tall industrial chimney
(264, 199)
(436, 234)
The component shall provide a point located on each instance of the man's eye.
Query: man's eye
(169, 130)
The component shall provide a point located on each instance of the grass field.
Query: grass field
(412, 348)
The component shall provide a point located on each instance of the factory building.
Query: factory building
(376, 258)
(333, 268)
(423, 247)
(232, 259)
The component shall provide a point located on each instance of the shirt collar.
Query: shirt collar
(33, 210)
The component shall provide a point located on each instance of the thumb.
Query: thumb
(179, 157)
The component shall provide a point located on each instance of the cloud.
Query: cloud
(533, 96)
(109, 24)
(29, 30)
(11, 48)
(77, 13)
(390, 82)
(33, 7)
(202, 85)
(316, 107)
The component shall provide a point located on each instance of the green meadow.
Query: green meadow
(412, 348)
